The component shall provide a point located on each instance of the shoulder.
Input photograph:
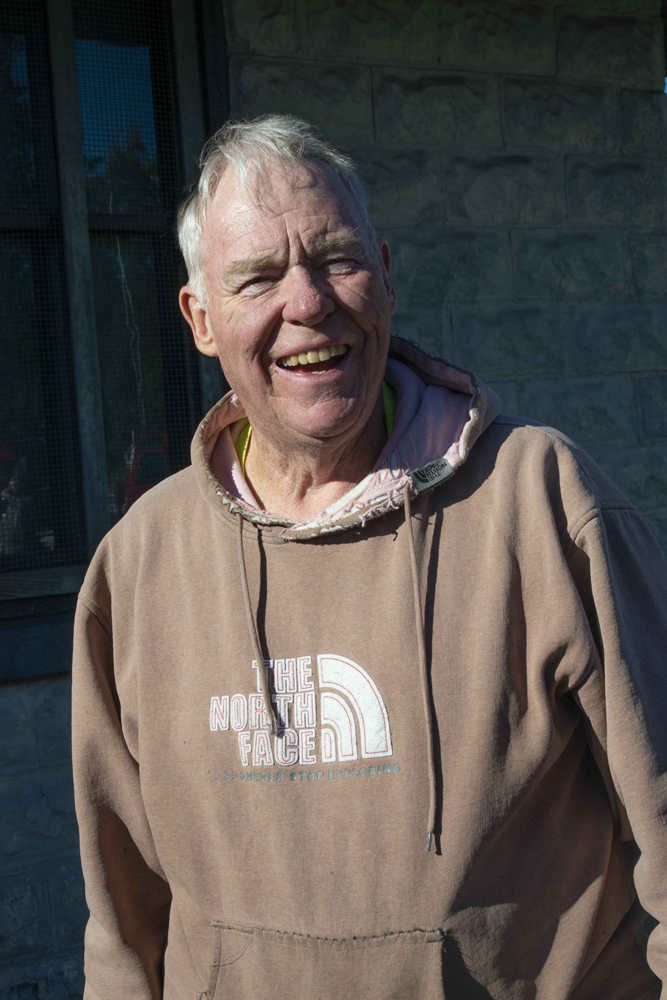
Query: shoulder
(158, 520)
(521, 440)
(535, 479)
(163, 498)
(166, 508)
(526, 433)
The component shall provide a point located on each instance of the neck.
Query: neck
(299, 483)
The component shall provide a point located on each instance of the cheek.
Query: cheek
(245, 327)
(366, 296)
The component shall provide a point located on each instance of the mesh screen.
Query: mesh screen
(148, 420)
(118, 126)
(27, 154)
(148, 367)
(150, 394)
(40, 509)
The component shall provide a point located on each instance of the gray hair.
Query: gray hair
(249, 146)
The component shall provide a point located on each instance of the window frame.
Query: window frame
(202, 105)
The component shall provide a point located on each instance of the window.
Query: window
(100, 386)
(148, 367)
(41, 516)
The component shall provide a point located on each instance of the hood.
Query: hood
(441, 412)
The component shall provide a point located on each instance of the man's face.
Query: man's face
(288, 273)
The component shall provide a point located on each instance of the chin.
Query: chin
(321, 432)
(329, 424)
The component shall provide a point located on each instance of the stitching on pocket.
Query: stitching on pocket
(235, 957)
(431, 935)
(215, 967)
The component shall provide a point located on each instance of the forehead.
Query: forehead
(287, 199)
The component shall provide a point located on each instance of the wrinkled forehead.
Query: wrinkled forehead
(305, 197)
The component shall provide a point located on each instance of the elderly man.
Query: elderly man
(369, 702)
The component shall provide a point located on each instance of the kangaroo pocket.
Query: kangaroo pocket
(260, 964)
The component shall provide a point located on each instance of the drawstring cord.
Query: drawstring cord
(254, 635)
(423, 670)
(428, 714)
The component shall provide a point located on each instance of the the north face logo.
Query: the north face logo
(353, 720)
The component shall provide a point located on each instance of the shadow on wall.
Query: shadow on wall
(42, 907)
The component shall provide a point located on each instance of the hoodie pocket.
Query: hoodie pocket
(261, 964)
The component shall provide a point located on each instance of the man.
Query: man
(369, 701)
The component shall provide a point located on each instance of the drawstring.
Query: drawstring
(419, 623)
(428, 713)
(254, 636)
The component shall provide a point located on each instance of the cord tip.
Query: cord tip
(429, 838)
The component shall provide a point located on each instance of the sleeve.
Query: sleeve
(622, 579)
(126, 890)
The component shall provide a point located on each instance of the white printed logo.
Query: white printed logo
(353, 718)
(359, 688)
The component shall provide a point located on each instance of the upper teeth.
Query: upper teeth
(309, 357)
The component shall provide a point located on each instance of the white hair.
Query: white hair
(250, 146)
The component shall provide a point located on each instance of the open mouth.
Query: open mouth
(315, 361)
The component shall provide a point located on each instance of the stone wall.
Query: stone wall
(42, 908)
(515, 160)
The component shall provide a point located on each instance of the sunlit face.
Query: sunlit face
(291, 273)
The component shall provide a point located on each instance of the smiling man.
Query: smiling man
(369, 702)
(299, 314)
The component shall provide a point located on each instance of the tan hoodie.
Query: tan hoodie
(485, 664)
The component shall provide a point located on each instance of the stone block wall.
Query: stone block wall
(514, 154)
(42, 908)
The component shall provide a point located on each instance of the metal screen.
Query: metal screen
(40, 505)
(120, 56)
(147, 365)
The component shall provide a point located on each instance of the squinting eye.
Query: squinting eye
(340, 263)
(255, 282)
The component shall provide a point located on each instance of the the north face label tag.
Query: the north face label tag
(431, 474)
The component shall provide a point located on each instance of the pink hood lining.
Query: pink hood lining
(441, 411)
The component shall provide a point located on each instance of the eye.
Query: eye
(340, 264)
(256, 283)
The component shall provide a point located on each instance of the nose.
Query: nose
(306, 301)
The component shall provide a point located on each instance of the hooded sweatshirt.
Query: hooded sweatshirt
(274, 721)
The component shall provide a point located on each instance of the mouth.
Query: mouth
(322, 360)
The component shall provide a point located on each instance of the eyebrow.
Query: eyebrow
(345, 242)
(318, 247)
(251, 265)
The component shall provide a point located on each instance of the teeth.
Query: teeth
(310, 357)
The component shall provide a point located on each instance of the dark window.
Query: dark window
(100, 386)
(128, 117)
(41, 517)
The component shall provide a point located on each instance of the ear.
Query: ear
(197, 319)
(385, 263)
